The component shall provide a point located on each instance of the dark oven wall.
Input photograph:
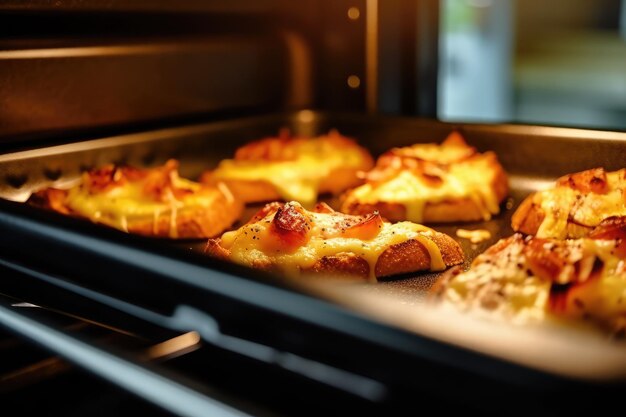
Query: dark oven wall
(70, 69)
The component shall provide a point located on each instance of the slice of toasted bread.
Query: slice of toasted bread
(152, 202)
(432, 183)
(574, 206)
(290, 240)
(526, 280)
(292, 168)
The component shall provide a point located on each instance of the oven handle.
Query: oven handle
(187, 318)
(149, 384)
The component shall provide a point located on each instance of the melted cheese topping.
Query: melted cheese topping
(443, 154)
(117, 205)
(254, 243)
(500, 286)
(475, 236)
(563, 204)
(470, 179)
(299, 178)
(605, 298)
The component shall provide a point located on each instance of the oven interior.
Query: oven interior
(174, 288)
(93, 82)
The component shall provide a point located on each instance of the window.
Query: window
(557, 62)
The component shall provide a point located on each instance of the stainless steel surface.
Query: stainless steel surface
(534, 156)
(47, 89)
(141, 5)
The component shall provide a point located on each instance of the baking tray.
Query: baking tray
(534, 157)
(389, 315)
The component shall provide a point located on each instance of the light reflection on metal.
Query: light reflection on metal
(354, 13)
(93, 51)
(371, 55)
(32, 373)
(300, 86)
(531, 184)
(176, 346)
(305, 116)
(354, 81)
(25, 305)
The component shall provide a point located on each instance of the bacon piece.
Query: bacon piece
(102, 179)
(590, 181)
(291, 225)
(612, 228)
(390, 165)
(366, 229)
(159, 182)
(549, 260)
(50, 198)
(431, 174)
(569, 299)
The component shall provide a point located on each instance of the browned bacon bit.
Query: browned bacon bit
(590, 181)
(50, 198)
(612, 228)
(101, 179)
(136, 174)
(432, 180)
(557, 300)
(568, 300)
(323, 208)
(388, 166)
(548, 260)
(159, 182)
(366, 229)
(291, 225)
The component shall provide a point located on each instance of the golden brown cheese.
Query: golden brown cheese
(526, 280)
(474, 236)
(424, 174)
(296, 167)
(322, 233)
(565, 203)
(128, 198)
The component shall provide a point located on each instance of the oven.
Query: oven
(95, 320)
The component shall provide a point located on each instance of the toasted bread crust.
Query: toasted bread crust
(434, 211)
(586, 185)
(528, 216)
(343, 266)
(193, 223)
(411, 256)
(400, 258)
(266, 156)
(460, 209)
(524, 279)
(218, 211)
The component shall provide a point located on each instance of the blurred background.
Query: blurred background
(560, 62)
